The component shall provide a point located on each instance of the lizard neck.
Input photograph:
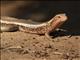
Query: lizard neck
(54, 23)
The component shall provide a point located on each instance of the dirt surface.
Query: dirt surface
(25, 46)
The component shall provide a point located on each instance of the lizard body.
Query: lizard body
(44, 28)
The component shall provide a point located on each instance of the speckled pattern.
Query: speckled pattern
(39, 30)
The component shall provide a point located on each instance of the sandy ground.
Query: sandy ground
(25, 46)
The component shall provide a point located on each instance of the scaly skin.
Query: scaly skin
(54, 23)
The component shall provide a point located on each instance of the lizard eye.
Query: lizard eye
(59, 16)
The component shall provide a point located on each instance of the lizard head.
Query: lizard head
(57, 21)
(58, 17)
(61, 17)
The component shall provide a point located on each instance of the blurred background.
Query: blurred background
(41, 11)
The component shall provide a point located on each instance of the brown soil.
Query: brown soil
(24, 46)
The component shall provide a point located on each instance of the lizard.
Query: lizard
(43, 28)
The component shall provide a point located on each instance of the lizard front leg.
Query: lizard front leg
(48, 36)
